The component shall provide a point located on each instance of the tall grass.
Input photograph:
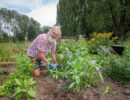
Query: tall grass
(8, 51)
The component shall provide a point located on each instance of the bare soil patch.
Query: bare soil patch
(46, 90)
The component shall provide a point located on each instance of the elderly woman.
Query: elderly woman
(41, 46)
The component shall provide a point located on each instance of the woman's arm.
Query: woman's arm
(54, 58)
(42, 57)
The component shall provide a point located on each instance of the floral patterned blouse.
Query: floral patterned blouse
(41, 43)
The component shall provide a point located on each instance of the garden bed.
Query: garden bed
(10, 65)
(5, 69)
(79, 71)
(47, 90)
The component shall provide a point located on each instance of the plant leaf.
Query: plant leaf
(18, 82)
(17, 97)
(101, 77)
(72, 84)
(107, 90)
(31, 93)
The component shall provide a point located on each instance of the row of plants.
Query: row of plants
(20, 83)
(115, 66)
(79, 68)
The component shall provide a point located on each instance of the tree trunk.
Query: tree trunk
(113, 18)
(122, 20)
(122, 30)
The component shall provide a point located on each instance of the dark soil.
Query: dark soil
(47, 90)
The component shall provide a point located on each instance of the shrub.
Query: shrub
(100, 39)
(118, 69)
(127, 48)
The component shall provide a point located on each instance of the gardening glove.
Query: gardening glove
(51, 66)
(58, 67)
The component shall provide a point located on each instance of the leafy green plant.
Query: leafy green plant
(78, 67)
(107, 90)
(24, 86)
(118, 68)
(20, 81)
(2, 70)
(126, 44)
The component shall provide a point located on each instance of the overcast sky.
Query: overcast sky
(44, 11)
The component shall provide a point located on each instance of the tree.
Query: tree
(18, 26)
(45, 29)
(88, 16)
(119, 15)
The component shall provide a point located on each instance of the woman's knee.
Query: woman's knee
(36, 72)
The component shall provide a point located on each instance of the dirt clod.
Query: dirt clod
(127, 92)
